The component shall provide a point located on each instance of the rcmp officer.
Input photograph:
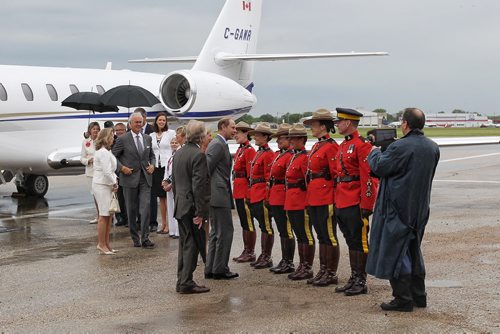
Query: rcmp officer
(321, 169)
(260, 170)
(295, 206)
(241, 173)
(276, 199)
(355, 197)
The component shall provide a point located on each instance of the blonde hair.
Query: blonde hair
(102, 138)
(181, 130)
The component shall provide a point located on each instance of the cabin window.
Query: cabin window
(28, 93)
(100, 89)
(3, 93)
(73, 89)
(52, 92)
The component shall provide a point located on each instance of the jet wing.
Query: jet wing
(262, 57)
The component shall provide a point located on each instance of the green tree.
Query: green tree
(307, 114)
(380, 111)
(267, 118)
(294, 118)
(247, 119)
(458, 111)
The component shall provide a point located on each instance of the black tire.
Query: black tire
(36, 185)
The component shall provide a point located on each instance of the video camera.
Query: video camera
(382, 137)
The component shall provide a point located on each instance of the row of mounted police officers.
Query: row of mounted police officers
(328, 186)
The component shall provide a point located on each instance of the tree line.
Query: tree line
(291, 118)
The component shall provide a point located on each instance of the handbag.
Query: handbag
(114, 206)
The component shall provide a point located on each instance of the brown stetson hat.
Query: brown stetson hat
(261, 128)
(297, 130)
(242, 126)
(320, 115)
(282, 130)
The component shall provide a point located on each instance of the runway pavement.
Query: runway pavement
(53, 280)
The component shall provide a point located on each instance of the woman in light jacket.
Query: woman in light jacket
(104, 183)
(167, 186)
(161, 147)
(87, 157)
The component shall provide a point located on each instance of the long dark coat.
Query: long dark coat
(406, 170)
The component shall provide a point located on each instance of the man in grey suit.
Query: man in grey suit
(135, 162)
(190, 185)
(221, 202)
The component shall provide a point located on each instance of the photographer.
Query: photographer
(406, 170)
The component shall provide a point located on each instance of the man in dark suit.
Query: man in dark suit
(221, 202)
(135, 162)
(190, 185)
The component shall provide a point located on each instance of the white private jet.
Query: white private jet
(40, 138)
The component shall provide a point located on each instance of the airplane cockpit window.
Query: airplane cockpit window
(73, 89)
(100, 89)
(3, 93)
(28, 93)
(52, 92)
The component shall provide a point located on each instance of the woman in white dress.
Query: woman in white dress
(87, 157)
(162, 150)
(167, 186)
(104, 183)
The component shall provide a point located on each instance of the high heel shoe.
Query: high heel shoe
(102, 251)
(114, 251)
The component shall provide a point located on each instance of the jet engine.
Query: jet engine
(198, 91)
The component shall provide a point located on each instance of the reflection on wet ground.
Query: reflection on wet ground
(53, 280)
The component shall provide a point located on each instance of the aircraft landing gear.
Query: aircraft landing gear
(32, 185)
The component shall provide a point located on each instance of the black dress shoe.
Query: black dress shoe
(209, 276)
(148, 244)
(228, 275)
(153, 228)
(194, 289)
(137, 244)
(121, 223)
(397, 305)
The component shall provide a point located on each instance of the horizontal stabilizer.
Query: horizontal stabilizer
(294, 56)
(165, 60)
(262, 57)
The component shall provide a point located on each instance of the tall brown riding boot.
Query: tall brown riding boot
(248, 254)
(288, 266)
(283, 257)
(332, 263)
(350, 282)
(299, 269)
(322, 265)
(359, 286)
(262, 242)
(266, 260)
(306, 271)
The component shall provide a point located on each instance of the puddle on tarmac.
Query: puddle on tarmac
(443, 284)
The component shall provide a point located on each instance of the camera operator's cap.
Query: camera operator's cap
(282, 130)
(242, 126)
(320, 115)
(346, 113)
(297, 130)
(263, 128)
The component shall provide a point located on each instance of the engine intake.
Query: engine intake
(178, 92)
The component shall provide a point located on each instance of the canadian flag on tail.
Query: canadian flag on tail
(247, 5)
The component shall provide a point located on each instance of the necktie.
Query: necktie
(140, 148)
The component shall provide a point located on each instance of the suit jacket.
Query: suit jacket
(190, 182)
(126, 154)
(219, 169)
(104, 167)
(88, 150)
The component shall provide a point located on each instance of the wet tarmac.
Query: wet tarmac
(53, 280)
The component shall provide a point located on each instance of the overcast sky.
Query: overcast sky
(444, 54)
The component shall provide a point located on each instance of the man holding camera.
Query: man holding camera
(355, 195)
(406, 170)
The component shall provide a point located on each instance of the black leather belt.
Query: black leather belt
(255, 181)
(239, 175)
(349, 178)
(301, 185)
(322, 175)
(274, 181)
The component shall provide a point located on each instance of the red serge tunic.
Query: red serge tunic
(321, 171)
(354, 183)
(296, 181)
(260, 169)
(241, 170)
(277, 177)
